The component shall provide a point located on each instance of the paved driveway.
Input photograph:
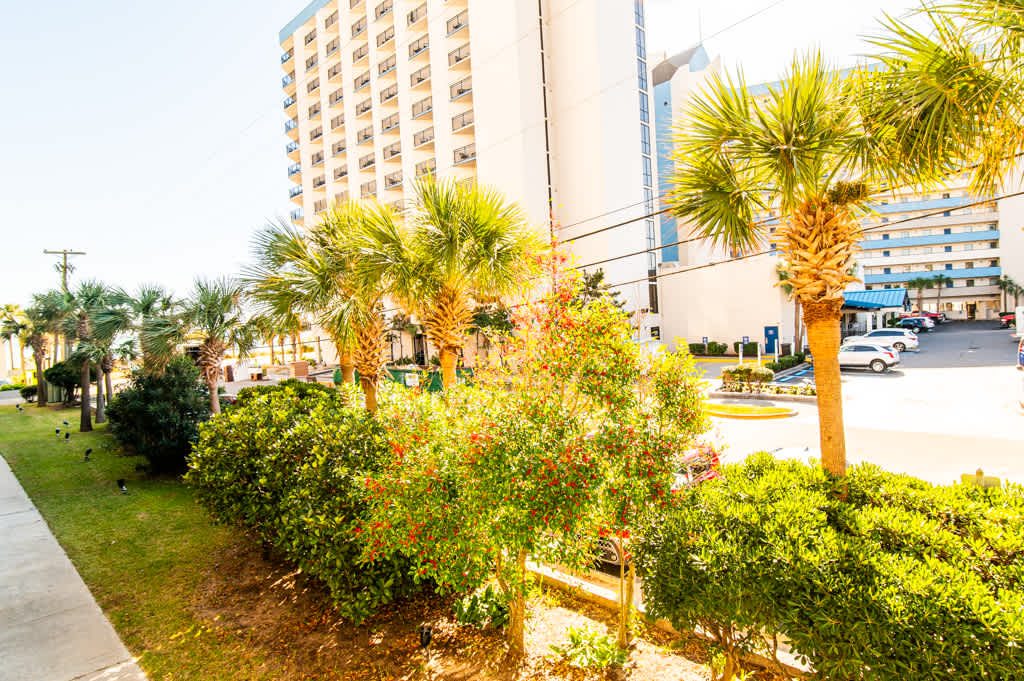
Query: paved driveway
(948, 409)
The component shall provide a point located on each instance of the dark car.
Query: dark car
(915, 323)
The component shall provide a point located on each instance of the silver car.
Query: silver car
(864, 355)
(899, 339)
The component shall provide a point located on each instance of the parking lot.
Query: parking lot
(949, 408)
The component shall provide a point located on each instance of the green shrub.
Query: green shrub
(67, 376)
(747, 373)
(589, 649)
(902, 581)
(292, 468)
(749, 349)
(301, 388)
(698, 348)
(28, 393)
(786, 362)
(403, 361)
(11, 386)
(482, 609)
(716, 348)
(158, 416)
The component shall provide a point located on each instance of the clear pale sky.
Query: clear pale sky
(150, 134)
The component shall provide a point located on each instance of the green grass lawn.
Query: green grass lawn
(141, 554)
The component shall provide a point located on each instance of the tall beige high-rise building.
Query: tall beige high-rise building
(547, 100)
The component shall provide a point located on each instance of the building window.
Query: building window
(645, 114)
(949, 265)
(970, 282)
(648, 200)
(887, 270)
(641, 44)
(993, 244)
(648, 175)
(969, 265)
(947, 249)
(885, 254)
(869, 287)
(993, 281)
(645, 140)
(641, 74)
(946, 213)
(638, 10)
(885, 237)
(949, 284)
(993, 263)
(947, 230)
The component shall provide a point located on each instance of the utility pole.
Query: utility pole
(64, 267)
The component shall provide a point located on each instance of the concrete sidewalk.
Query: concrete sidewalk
(51, 629)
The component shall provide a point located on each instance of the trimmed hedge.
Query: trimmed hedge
(698, 348)
(301, 388)
(746, 373)
(749, 349)
(787, 362)
(291, 467)
(901, 581)
(29, 393)
(716, 348)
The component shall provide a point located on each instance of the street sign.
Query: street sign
(704, 340)
(746, 339)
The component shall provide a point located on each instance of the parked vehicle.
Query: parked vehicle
(900, 340)
(862, 355)
(1020, 355)
(937, 317)
(918, 324)
(1007, 319)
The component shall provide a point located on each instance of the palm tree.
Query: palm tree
(212, 314)
(11, 318)
(782, 272)
(940, 281)
(126, 313)
(58, 308)
(1005, 285)
(951, 93)
(34, 331)
(805, 149)
(463, 245)
(919, 284)
(87, 300)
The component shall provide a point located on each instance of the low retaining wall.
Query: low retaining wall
(768, 397)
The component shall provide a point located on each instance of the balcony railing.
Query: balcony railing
(393, 180)
(294, 169)
(341, 197)
(319, 182)
(340, 173)
(353, 3)
(422, 107)
(463, 120)
(331, 19)
(366, 162)
(417, 14)
(288, 80)
(287, 55)
(364, 135)
(461, 87)
(332, 47)
(426, 167)
(334, 71)
(386, 36)
(337, 121)
(336, 97)
(314, 111)
(391, 151)
(364, 107)
(424, 136)
(420, 76)
(311, 63)
(338, 148)
(457, 22)
(312, 85)
(360, 52)
(389, 123)
(296, 215)
(291, 146)
(294, 191)
(319, 206)
(290, 125)
(383, 8)
(388, 93)
(419, 46)
(368, 188)
(458, 56)
(386, 65)
(464, 154)
(358, 27)
(317, 158)
(362, 81)
(288, 101)
(310, 37)
(316, 133)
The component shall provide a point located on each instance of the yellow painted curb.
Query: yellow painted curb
(730, 360)
(763, 415)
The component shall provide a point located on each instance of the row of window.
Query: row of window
(650, 236)
(964, 229)
(967, 283)
(924, 250)
(945, 267)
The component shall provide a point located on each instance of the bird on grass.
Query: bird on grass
(87, 453)
(121, 486)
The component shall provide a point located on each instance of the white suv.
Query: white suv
(898, 339)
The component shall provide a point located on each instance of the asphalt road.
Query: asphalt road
(948, 409)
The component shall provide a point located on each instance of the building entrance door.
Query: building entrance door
(771, 339)
(972, 310)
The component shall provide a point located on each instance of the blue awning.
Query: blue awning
(877, 299)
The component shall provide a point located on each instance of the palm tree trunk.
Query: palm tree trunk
(40, 381)
(85, 422)
(798, 337)
(348, 367)
(920, 301)
(10, 348)
(273, 355)
(448, 376)
(938, 300)
(101, 415)
(823, 334)
(211, 384)
(295, 348)
(281, 341)
(21, 353)
(56, 349)
(370, 392)
(110, 387)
